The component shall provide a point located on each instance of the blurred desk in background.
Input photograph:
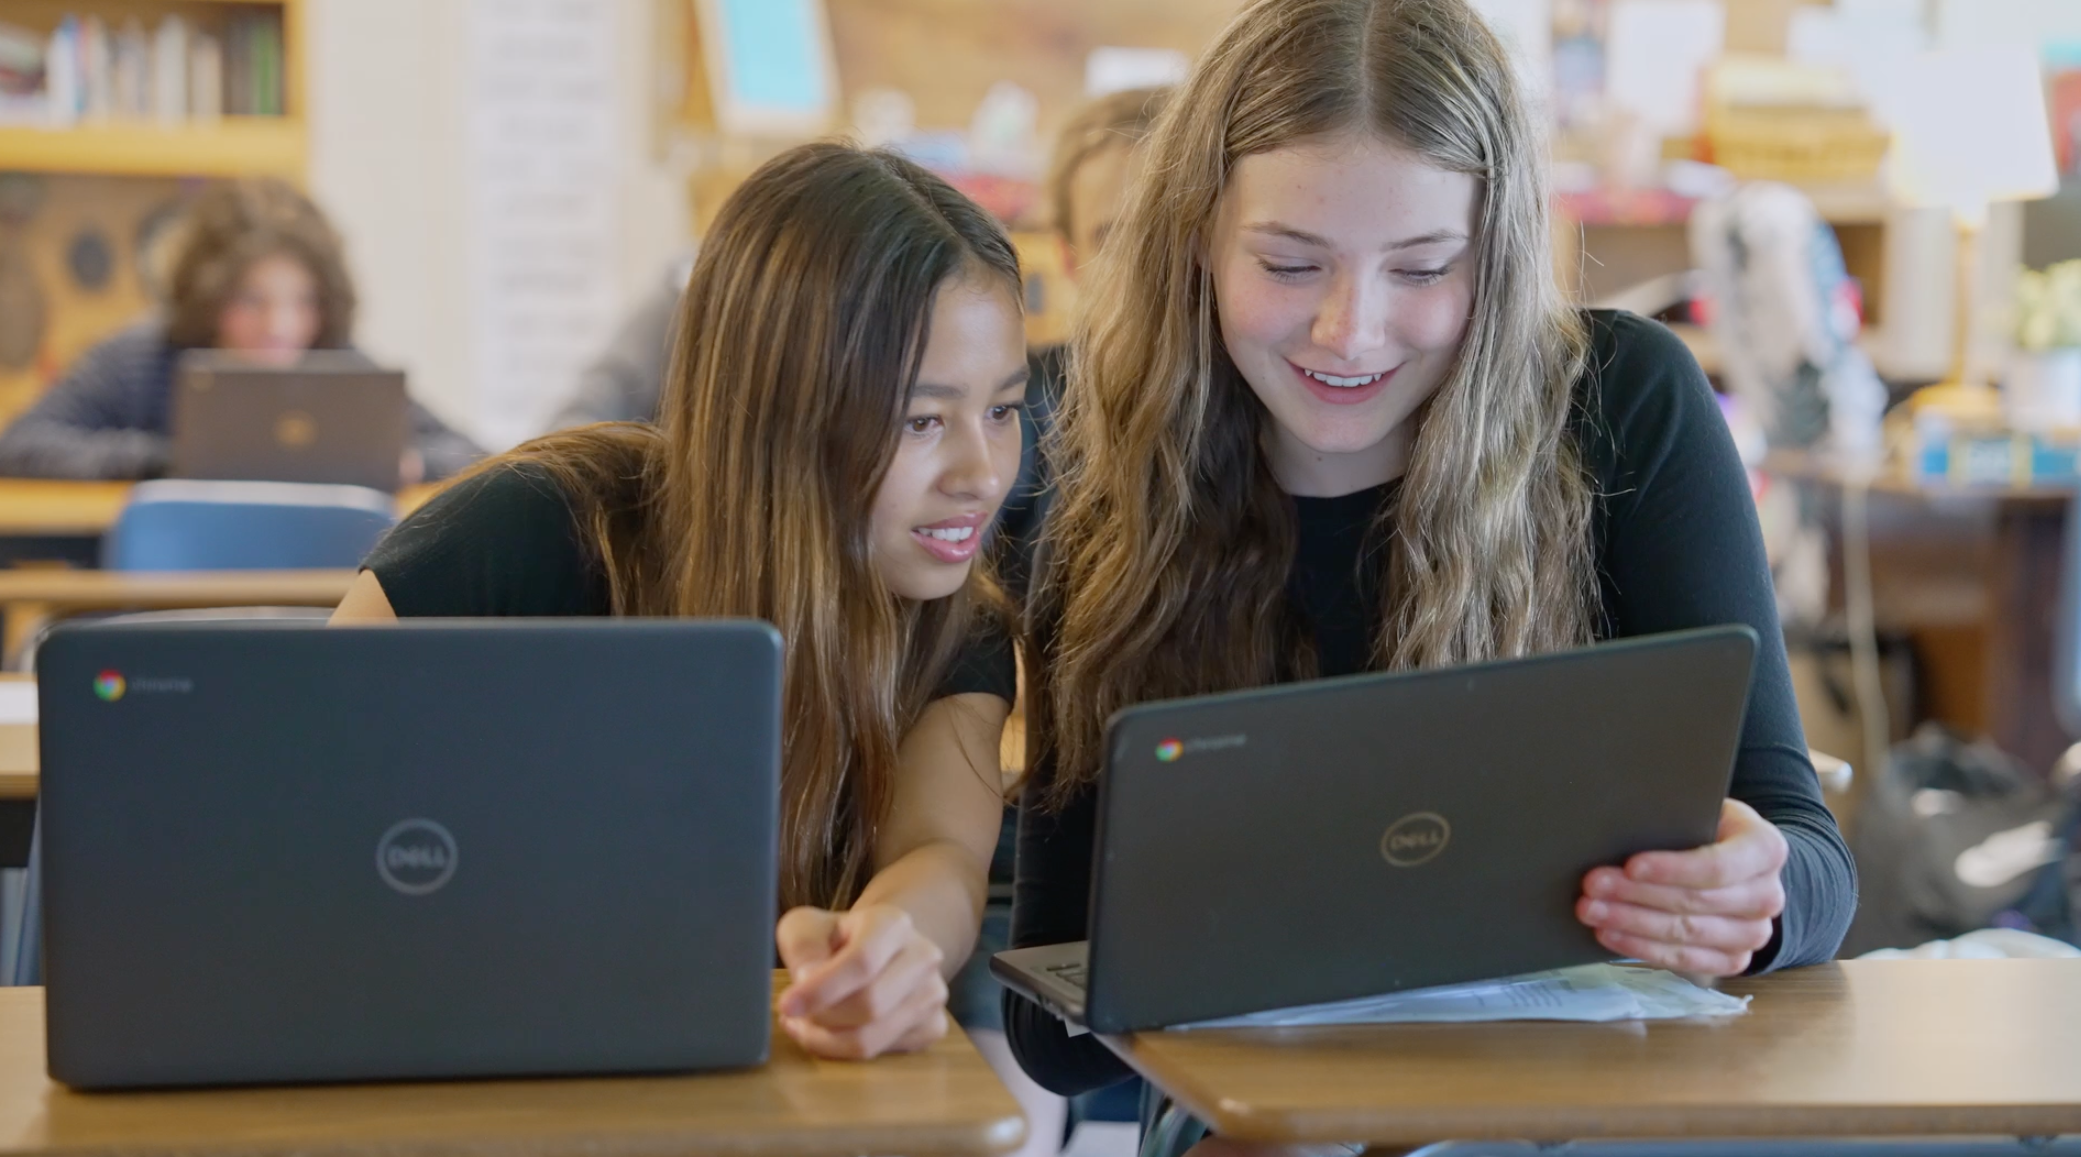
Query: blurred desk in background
(1971, 576)
(20, 758)
(31, 596)
(42, 508)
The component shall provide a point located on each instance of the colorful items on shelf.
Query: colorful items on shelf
(2042, 389)
(89, 71)
(1769, 119)
(1961, 436)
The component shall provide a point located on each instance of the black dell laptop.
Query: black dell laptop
(469, 849)
(1344, 837)
(332, 417)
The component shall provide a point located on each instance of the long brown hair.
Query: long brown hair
(801, 332)
(1166, 556)
(233, 224)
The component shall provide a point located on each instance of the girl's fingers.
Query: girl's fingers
(868, 939)
(923, 1015)
(1723, 933)
(1676, 958)
(1759, 899)
(914, 968)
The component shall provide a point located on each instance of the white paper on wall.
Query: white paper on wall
(543, 254)
(1526, 27)
(1656, 53)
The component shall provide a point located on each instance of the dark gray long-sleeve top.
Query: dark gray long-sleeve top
(107, 418)
(1677, 546)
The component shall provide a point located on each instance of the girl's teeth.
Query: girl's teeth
(1342, 383)
(957, 534)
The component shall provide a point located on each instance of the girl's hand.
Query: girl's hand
(863, 982)
(1704, 911)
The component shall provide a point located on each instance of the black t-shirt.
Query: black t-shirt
(507, 543)
(1677, 545)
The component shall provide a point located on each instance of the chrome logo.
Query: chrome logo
(109, 685)
(1169, 750)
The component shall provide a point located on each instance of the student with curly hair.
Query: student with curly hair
(256, 270)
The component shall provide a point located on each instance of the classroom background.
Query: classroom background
(1864, 217)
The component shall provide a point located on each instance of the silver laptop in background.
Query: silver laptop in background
(1319, 841)
(333, 417)
(439, 849)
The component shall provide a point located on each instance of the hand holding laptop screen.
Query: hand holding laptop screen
(1708, 910)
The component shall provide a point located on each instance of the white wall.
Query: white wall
(389, 152)
(1970, 23)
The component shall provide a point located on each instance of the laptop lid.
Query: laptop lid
(431, 850)
(1324, 840)
(332, 418)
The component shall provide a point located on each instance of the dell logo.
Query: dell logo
(416, 857)
(1415, 839)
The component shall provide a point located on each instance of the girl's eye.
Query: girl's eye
(1006, 413)
(923, 425)
(1286, 271)
(1426, 276)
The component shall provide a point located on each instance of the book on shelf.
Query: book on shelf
(174, 72)
(205, 77)
(170, 47)
(96, 69)
(130, 72)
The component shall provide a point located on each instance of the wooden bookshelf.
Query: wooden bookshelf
(230, 147)
(274, 146)
(104, 178)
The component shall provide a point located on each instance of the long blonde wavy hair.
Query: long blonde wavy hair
(1163, 567)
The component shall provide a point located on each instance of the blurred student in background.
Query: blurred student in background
(1093, 164)
(623, 382)
(256, 270)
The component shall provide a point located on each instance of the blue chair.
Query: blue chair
(25, 965)
(178, 524)
(2066, 647)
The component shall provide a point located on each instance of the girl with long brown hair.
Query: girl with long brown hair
(1328, 412)
(840, 423)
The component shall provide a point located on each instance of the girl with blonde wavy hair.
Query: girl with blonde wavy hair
(1328, 412)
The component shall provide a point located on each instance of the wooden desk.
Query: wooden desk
(944, 1101)
(20, 757)
(1860, 1048)
(42, 507)
(1972, 575)
(28, 597)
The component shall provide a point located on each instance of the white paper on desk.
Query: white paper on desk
(1592, 992)
(17, 703)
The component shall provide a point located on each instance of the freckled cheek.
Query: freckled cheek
(1259, 314)
(1433, 319)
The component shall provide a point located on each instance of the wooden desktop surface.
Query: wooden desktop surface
(61, 590)
(51, 507)
(20, 757)
(944, 1101)
(1864, 1048)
